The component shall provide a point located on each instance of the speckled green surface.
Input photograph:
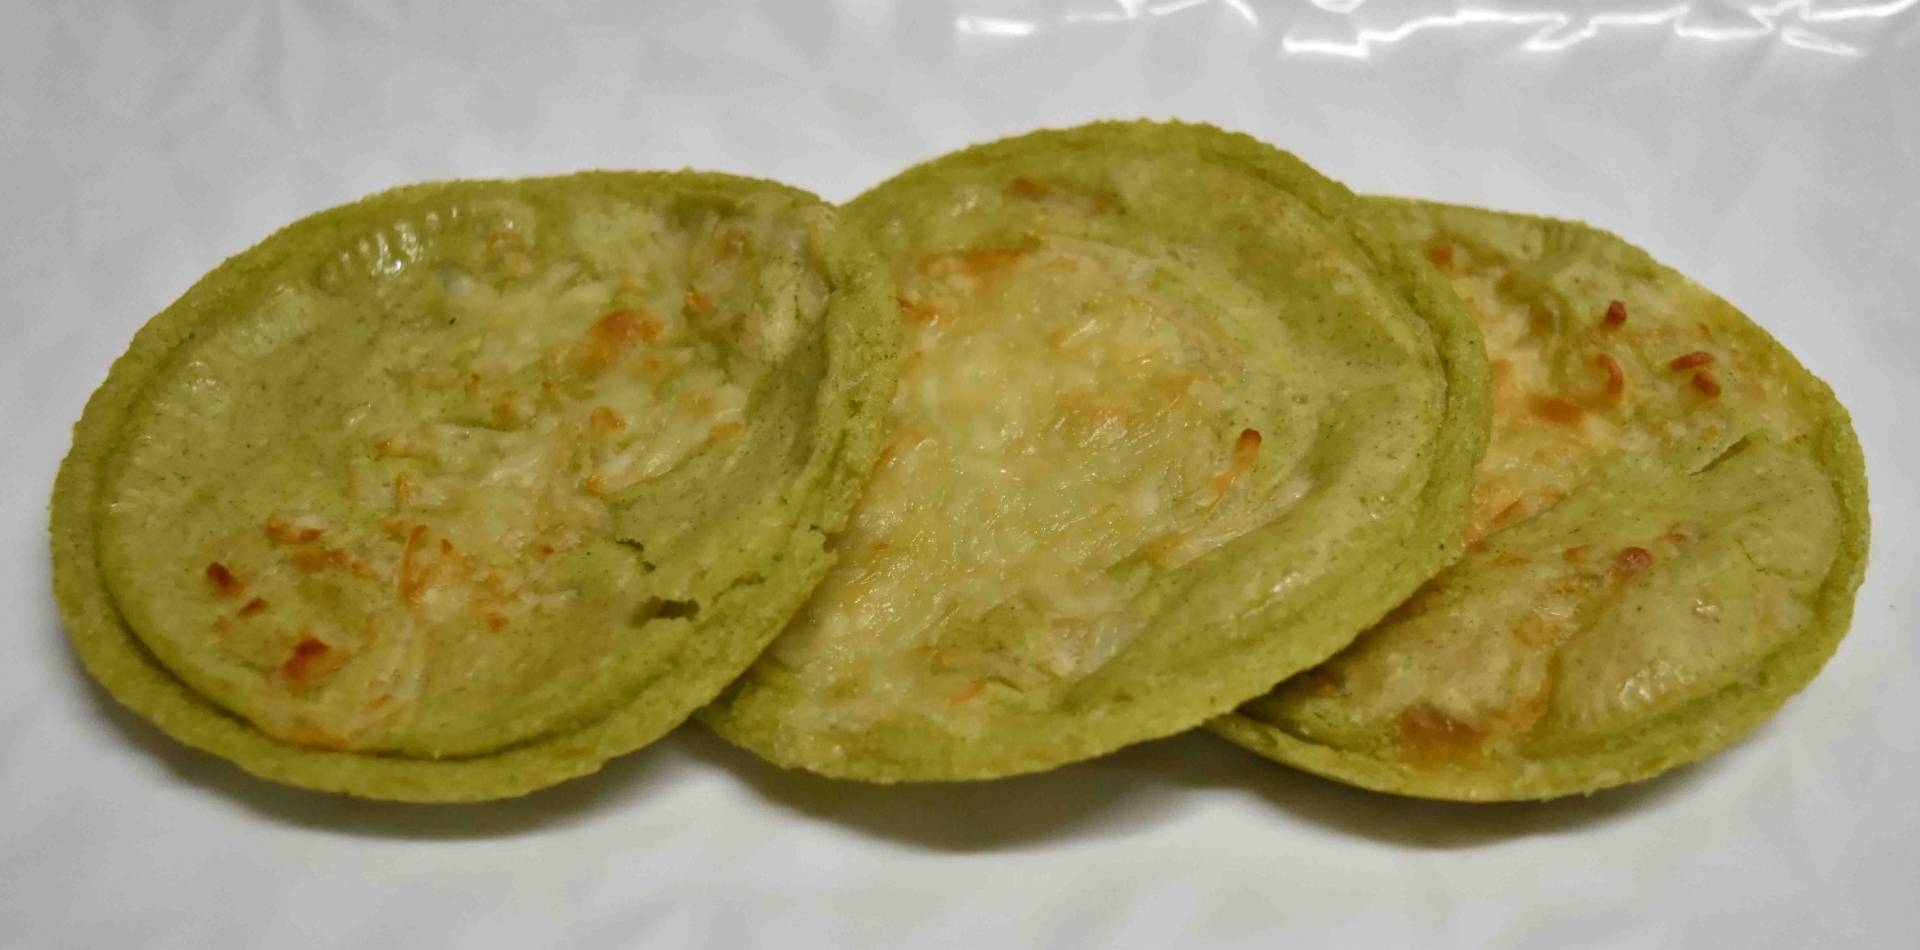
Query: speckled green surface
(743, 586)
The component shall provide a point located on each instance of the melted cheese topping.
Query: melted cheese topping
(1634, 596)
(1057, 427)
(1571, 387)
(1628, 555)
(430, 564)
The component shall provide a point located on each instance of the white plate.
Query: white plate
(1770, 149)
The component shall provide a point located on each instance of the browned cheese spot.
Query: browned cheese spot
(1246, 452)
(618, 329)
(310, 660)
(223, 580)
(608, 339)
(1541, 319)
(604, 420)
(1429, 735)
(1633, 560)
(315, 560)
(1556, 410)
(1691, 360)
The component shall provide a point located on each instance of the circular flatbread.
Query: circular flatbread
(1174, 420)
(1668, 530)
(461, 490)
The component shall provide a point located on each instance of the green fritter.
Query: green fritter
(460, 490)
(1667, 533)
(1175, 419)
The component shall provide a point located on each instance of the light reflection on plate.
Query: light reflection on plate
(1357, 28)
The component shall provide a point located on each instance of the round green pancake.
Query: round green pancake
(1668, 530)
(460, 490)
(1174, 420)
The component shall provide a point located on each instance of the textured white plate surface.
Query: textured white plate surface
(1772, 150)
